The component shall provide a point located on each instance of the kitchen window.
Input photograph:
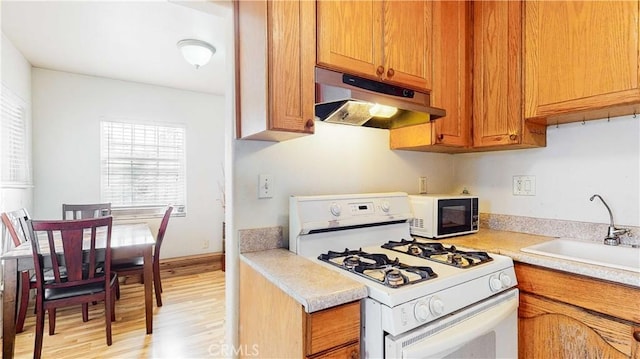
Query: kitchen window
(143, 168)
(15, 170)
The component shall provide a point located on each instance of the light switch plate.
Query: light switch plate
(422, 185)
(524, 185)
(265, 186)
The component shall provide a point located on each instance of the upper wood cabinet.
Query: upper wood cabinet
(383, 40)
(275, 69)
(498, 118)
(581, 58)
(451, 85)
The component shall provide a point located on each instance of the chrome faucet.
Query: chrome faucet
(613, 234)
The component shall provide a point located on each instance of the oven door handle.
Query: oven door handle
(455, 337)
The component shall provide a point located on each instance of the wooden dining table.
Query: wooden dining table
(127, 241)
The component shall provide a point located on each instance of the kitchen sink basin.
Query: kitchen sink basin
(621, 257)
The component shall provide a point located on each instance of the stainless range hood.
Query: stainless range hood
(352, 100)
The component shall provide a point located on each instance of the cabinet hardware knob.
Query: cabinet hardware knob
(380, 70)
(390, 73)
(440, 137)
(354, 354)
(636, 336)
(513, 137)
(309, 124)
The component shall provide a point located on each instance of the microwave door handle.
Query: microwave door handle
(456, 336)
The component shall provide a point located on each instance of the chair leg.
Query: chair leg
(156, 274)
(157, 286)
(52, 321)
(108, 315)
(37, 350)
(118, 289)
(85, 312)
(24, 301)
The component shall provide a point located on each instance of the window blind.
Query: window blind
(15, 169)
(142, 165)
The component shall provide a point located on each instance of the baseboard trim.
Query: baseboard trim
(210, 259)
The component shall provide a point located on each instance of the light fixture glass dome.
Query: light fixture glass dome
(196, 52)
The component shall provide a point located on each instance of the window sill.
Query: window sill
(128, 213)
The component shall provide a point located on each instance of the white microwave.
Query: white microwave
(440, 216)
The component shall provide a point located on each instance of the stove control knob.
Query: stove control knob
(421, 310)
(335, 209)
(436, 305)
(385, 206)
(506, 280)
(495, 284)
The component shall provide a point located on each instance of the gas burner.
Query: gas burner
(394, 278)
(378, 267)
(437, 252)
(351, 261)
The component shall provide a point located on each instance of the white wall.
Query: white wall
(67, 109)
(336, 159)
(579, 160)
(16, 75)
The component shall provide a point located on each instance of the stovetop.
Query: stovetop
(378, 267)
(437, 252)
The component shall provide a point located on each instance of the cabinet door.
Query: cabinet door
(497, 97)
(349, 36)
(292, 58)
(407, 47)
(452, 72)
(550, 329)
(580, 55)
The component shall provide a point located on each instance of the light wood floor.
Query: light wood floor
(190, 324)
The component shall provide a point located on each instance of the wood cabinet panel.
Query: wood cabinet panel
(382, 40)
(452, 54)
(563, 315)
(269, 320)
(407, 43)
(497, 73)
(498, 117)
(451, 85)
(581, 56)
(605, 297)
(292, 58)
(275, 60)
(551, 329)
(275, 325)
(351, 351)
(349, 36)
(333, 327)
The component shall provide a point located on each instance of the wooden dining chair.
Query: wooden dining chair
(74, 247)
(134, 266)
(15, 224)
(84, 211)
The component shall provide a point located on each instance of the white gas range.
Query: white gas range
(426, 299)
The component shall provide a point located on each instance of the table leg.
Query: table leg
(148, 288)
(9, 307)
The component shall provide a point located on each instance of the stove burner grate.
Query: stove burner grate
(378, 267)
(437, 252)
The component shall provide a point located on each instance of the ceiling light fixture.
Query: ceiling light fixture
(196, 52)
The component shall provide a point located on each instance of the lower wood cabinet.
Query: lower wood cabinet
(275, 325)
(563, 315)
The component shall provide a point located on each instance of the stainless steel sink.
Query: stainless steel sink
(621, 257)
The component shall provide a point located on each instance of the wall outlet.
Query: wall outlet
(265, 186)
(422, 185)
(524, 185)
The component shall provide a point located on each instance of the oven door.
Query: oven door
(488, 329)
(456, 216)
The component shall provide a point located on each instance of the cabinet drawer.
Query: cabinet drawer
(351, 351)
(613, 299)
(332, 327)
